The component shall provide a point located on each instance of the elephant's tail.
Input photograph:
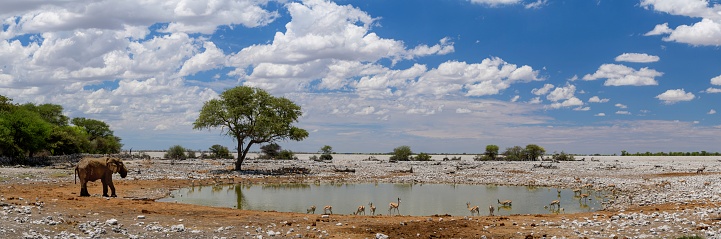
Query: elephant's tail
(76, 175)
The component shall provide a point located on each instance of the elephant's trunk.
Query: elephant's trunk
(123, 172)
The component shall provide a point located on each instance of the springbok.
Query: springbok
(506, 203)
(372, 208)
(395, 206)
(557, 203)
(361, 209)
(473, 209)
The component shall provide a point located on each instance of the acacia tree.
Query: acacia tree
(270, 151)
(401, 153)
(251, 116)
(326, 152)
(220, 151)
(491, 151)
(514, 153)
(533, 151)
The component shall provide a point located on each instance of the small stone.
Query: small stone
(141, 216)
(112, 221)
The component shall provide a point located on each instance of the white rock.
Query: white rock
(112, 221)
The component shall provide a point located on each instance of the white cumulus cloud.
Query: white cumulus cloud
(677, 95)
(637, 57)
(620, 75)
(562, 93)
(543, 90)
(713, 90)
(716, 80)
(711, 112)
(489, 77)
(659, 29)
(623, 112)
(325, 41)
(706, 32)
(596, 99)
(563, 97)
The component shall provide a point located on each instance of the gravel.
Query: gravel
(637, 181)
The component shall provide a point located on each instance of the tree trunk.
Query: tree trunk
(242, 152)
(241, 156)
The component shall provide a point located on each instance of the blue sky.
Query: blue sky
(442, 76)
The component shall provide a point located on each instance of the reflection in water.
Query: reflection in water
(417, 199)
(238, 189)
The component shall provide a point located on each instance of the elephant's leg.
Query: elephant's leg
(84, 188)
(112, 188)
(105, 187)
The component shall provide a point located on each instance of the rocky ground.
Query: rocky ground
(656, 197)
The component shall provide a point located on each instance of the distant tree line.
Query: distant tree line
(702, 153)
(31, 130)
(217, 151)
(531, 152)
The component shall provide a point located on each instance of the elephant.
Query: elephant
(91, 169)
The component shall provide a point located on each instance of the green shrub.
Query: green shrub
(422, 157)
(326, 157)
(191, 154)
(401, 153)
(220, 151)
(270, 151)
(175, 152)
(563, 157)
(286, 154)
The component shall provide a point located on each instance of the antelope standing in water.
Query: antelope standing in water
(506, 203)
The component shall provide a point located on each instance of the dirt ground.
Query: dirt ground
(59, 196)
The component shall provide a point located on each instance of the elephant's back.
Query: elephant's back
(91, 162)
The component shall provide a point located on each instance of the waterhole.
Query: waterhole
(416, 199)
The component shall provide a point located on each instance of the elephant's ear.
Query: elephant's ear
(111, 165)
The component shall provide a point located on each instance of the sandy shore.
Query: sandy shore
(655, 197)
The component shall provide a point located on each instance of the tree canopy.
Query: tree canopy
(220, 151)
(401, 153)
(533, 151)
(251, 116)
(29, 128)
(491, 151)
(326, 152)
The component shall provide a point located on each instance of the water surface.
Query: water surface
(416, 199)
